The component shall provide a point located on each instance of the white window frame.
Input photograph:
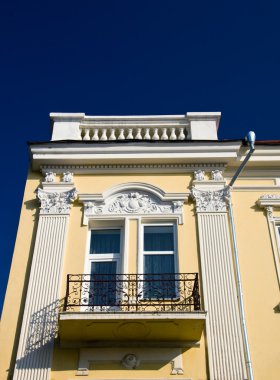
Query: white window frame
(102, 257)
(141, 251)
(105, 257)
(141, 244)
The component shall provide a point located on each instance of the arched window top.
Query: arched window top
(133, 198)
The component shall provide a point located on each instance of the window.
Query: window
(104, 257)
(108, 285)
(159, 261)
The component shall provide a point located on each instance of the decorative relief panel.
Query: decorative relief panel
(132, 203)
(211, 201)
(56, 202)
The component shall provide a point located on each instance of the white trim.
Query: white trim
(134, 153)
(118, 257)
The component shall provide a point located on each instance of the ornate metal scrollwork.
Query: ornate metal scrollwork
(133, 292)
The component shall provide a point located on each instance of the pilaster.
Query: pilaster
(223, 327)
(39, 324)
(271, 202)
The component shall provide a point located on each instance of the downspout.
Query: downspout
(251, 137)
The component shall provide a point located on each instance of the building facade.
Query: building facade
(135, 259)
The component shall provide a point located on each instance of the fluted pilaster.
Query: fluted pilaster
(39, 323)
(223, 328)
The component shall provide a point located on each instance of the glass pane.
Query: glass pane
(158, 238)
(159, 277)
(105, 241)
(103, 283)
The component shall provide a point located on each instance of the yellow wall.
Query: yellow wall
(259, 282)
(261, 291)
(18, 279)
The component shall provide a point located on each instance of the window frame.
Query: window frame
(102, 257)
(141, 251)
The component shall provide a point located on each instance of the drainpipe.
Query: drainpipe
(251, 137)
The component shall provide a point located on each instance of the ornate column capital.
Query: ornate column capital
(55, 202)
(211, 200)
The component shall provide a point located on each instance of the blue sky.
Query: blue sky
(130, 57)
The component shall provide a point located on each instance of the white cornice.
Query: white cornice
(134, 153)
(132, 168)
(269, 200)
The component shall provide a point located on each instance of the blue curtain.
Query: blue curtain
(103, 283)
(158, 238)
(105, 241)
(158, 264)
(159, 277)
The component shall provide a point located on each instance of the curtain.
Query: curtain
(159, 277)
(158, 238)
(105, 241)
(103, 283)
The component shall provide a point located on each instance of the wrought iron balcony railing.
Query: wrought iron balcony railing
(132, 293)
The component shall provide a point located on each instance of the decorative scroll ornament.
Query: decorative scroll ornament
(67, 177)
(131, 203)
(50, 177)
(269, 212)
(178, 206)
(199, 175)
(217, 175)
(211, 201)
(56, 202)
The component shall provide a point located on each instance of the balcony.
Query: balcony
(132, 307)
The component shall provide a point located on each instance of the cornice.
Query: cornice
(269, 200)
(132, 168)
(133, 154)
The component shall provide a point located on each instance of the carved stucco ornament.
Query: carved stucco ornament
(199, 175)
(50, 177)
(56, 202)
(132, 203)
(67, 177)
(217, 175)
(211, 200)
(269, 212)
